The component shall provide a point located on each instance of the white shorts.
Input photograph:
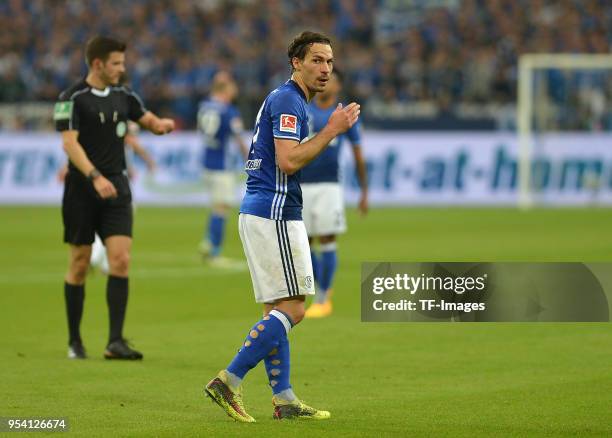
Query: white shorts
(323, 211)
(221, 186)
(278, 256)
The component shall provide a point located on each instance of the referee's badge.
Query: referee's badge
(121, 129)
(62, 110)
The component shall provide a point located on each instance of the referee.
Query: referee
(92, 116)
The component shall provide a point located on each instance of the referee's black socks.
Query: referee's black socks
(116, 298)
(74, 296)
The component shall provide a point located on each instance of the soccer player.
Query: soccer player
(271, 229)
(219, 122)
(323, 214)
(92, 116)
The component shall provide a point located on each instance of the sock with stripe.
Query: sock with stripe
(329, 262)
(216, 227)
(264, 337)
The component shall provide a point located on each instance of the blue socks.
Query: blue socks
(327, 268)
(278, 366)
(264, 338)
(216, 226)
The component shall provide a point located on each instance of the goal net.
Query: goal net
(564, 102)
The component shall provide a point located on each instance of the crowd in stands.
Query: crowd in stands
(445, 52)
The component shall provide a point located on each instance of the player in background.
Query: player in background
(99, 258)
(219, 122)
(323, 213)
(92, 116)
(272, 232)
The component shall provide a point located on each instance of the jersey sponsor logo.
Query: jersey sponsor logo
(288, 123)
(252, 164)
(62, 110)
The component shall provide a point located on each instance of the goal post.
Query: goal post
(528, 65)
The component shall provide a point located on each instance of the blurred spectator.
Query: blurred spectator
(393, 51)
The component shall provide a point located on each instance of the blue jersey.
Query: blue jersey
(325, 168)
(217, 122)
(271, 193)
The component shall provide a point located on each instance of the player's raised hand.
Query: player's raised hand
(343, 118)
(165, 126)
(104, 188)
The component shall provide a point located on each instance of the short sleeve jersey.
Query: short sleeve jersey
(217, 122)
(100, 117)
(270, 192)
(325, 167)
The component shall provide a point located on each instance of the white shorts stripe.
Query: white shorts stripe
(284, 259)
(290, 256)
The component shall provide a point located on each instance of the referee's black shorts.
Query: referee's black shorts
(84, 213)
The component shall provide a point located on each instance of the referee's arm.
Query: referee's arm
(158, 126)
(78, 157)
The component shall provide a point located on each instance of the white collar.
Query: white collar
(101, 93)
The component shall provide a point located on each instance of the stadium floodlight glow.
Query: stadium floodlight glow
(529, 63)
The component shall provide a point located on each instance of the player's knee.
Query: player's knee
(79, 264)
(297, 314)
(293, 308)
(221, 209)
(327, 239)
(120, 263)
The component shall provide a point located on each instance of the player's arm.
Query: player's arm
(362, 176)
(244, 149)
(132, 141)
(291, 155)
(78, 157)
(237, 128)
(158, 126)
(62, 172)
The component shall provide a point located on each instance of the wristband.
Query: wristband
(93, 174)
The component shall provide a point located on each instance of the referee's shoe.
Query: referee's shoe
(120, 349)
(76, 350)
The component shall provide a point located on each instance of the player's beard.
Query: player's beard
(317, 87)
(108, 79)
(321, 86)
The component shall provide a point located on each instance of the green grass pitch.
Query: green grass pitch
(377, 379)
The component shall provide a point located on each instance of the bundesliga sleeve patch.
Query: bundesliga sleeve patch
(288, 123)
(62, 110)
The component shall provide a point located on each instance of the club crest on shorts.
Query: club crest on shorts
(288, 123)
(308, 282)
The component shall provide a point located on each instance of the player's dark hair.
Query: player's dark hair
(100, 47)
(302, 43)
